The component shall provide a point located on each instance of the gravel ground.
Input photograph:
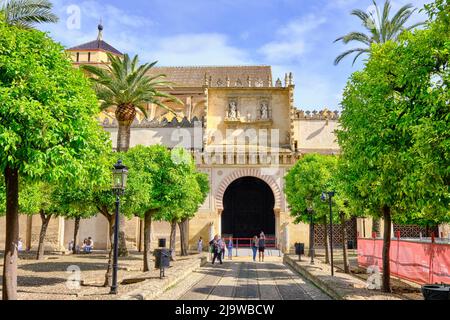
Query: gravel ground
(50, 279)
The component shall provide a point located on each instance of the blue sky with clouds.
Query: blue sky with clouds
(290, 35)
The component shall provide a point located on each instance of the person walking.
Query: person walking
(261, 246)
(222, 247)
(20, 245)
(230, 248)
(217, 249)
(254, 247)
(200, 245)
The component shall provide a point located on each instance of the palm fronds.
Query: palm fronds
(380, 28)
(26, 13)
(124, 82)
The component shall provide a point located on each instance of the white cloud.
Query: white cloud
(293, 39)
(197, 49)
(300, 27)
(283, 50)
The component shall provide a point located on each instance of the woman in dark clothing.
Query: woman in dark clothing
(217, 249)
(261, 246)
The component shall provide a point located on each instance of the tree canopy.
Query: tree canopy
(396, 126)
(47, 115)
(305, 182)
(395, 129)
(48, 130)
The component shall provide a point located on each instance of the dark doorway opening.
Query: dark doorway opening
(248, 208)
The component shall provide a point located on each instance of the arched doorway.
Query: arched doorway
(248, 205)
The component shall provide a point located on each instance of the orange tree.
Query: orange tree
(395, 129)
(48, 129)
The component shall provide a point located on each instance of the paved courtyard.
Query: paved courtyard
(242, 279)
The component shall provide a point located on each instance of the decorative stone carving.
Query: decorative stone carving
(264, 110)
(259, 83)
(316, 115)
(238, 83)
(232, 110)
(228, 81)
(278, 83)
(219, 83)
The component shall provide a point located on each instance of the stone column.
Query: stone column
(286, 238)
(188, 107)
(61, 230)
(219, 223)
(277, 228)
(211, 231)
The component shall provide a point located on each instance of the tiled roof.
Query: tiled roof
(216, 75)
(96, 45)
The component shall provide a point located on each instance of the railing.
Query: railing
(246, 243)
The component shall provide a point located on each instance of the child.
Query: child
(200, 245)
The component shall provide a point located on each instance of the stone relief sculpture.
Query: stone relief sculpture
(264, 111)
(259, 83)
(232, 110)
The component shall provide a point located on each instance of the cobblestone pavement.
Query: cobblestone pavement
(242, 279)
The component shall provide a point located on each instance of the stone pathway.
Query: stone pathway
(341, 286)
(242, 279)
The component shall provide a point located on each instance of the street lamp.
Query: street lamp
(119, 183)
(323, 197)
(311, 234)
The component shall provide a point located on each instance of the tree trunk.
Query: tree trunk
(75, 234)
(9, 286)
(173, 238)
(147, 239)
(123, 143)
(327, 250)
(376, 226)
(344, 243)
(123, 136)
(183, 225)
(386, 249)
(123, 251)
(41, 247)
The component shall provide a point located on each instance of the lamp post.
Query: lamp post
(311, 234)
(120, 173)
(330, 195)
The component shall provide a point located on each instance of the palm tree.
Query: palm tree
(26, 13)
(128, 87)
(380, 28)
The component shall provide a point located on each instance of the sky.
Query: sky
(290, 35)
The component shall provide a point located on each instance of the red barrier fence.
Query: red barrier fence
(415, 261)
(247, 242)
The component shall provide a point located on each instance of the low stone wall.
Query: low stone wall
(154, 287)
